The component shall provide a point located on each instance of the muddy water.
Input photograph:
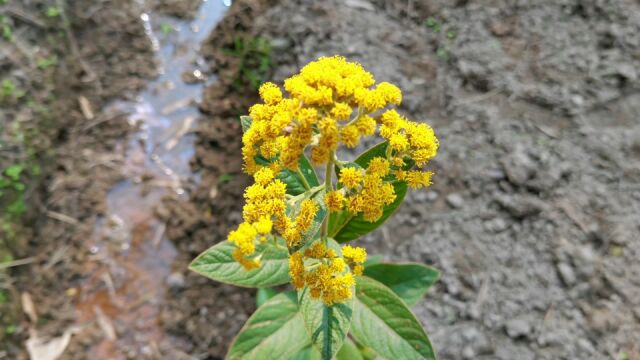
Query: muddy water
(130, 256)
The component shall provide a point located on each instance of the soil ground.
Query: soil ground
(532, 218)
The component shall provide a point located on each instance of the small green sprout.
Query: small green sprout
(5, 27)
(166, 28)
(46, 62)
(442, 54)
(433, 24)
(53, 12)
(225, 178)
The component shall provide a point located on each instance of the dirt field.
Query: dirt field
(533, 218)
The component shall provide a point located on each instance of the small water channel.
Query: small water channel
(130, 256)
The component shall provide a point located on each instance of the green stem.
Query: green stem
(388, 152)
(358, 113)
(303, 178)
(328, 186)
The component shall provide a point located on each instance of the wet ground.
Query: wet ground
(532, 218)
(131, 256)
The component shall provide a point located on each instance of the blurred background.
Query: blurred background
(120, 162)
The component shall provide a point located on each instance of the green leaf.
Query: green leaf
(409, 281)
(366, 352)
(274, 331)
(383, 322)
(308, 353)
(295, 185)
(264, 294)
(365, 158)
(372, 260)
(349, 351)
(328, 325)
(347, 227)
(245, 122)
(14, 171)
(217, 263)
(18, 207)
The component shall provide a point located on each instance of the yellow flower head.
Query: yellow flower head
(296, 270)
(341, 111)
(390, 93)
(418, 179)
(338, 289)
(292, 236)
(270, 93)
(398, 142)
(366, 125)
(317, 251)
(243, 237)
(334, 200)
(357, 255)
(349, 136)
(308, 211)
(264, 225)
(378, 167)
(263, 176)
(350, 177)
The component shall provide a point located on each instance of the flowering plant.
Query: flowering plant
(294, 224)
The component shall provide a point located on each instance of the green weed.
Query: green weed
(53, 11)
(255, 61)
(9, 90)
(225, 178)
(10, 329)
(433, 24)
(448, 35)
(5, 28)
(443, 54)
(46, 62)
(166, 28)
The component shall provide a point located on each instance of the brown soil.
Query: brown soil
(105, 54)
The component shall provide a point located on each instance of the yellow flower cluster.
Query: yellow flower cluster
(322, 96)
(409, 140)
(265, 209)
(330, 102)
(356, 256)
(325, 273)
(365, 192)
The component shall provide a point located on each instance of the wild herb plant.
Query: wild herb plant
(296, 226)
(254, 61)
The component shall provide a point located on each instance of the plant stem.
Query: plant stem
(328, 186)
(303, 178)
